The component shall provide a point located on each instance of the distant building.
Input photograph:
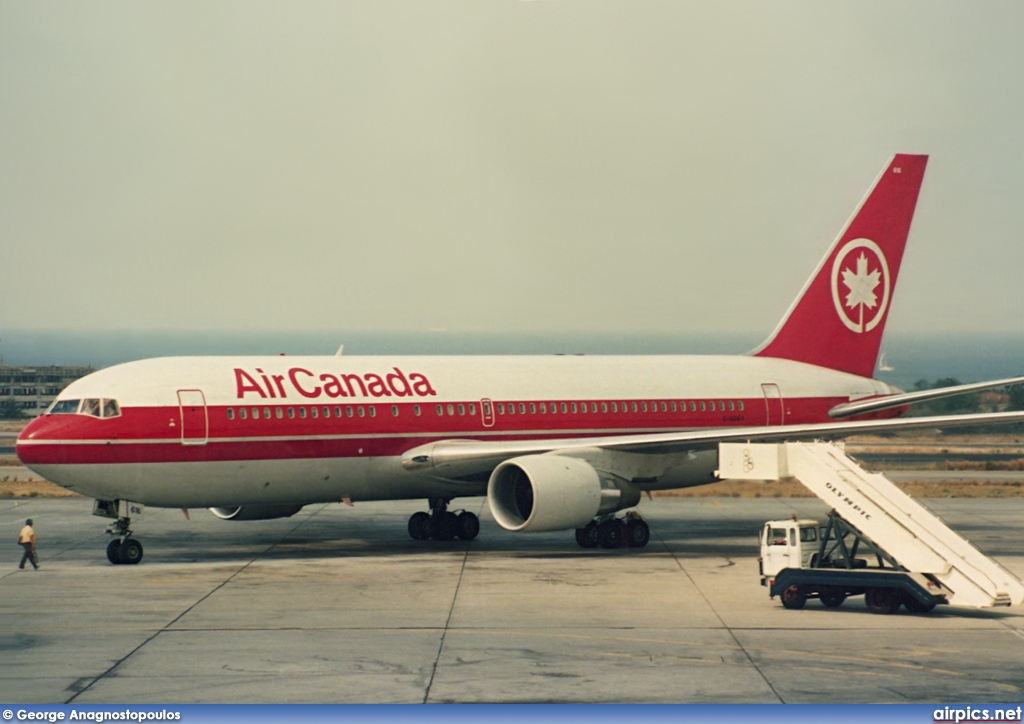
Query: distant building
(33, 388)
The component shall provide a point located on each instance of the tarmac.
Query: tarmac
(338, 604)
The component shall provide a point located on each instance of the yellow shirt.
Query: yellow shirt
(27, 535)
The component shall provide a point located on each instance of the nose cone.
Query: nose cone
(35, 445)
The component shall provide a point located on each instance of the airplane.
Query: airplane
(553, 442)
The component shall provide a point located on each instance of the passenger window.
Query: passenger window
(533, 408)
(643, 407)
(702, 407)
(416, 410)
(302, 412)
(394, 410)
(501, 408)
(337, 412)
(564, 408)
(314, 412)
(291, 413)
(231, 413)
(451, 409)
(440, 410)
(522, 408)
(732, 406)
(373, 411)
(266, 413)
(279, 413)
(242, 413)
(604, 407)
(740, 404)
(255, 413)
(462, 409)
(615, 407)
(572, 407)
(327, 412)
(361, 411)
(348, 411)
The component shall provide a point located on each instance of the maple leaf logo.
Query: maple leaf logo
(862, 284)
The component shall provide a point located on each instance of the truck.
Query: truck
(877, 542)
(805, 559)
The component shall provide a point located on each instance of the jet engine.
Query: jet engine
(536, 493)
(256, 512)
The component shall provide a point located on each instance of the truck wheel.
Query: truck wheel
(915, 606)
(794, 597)
(882, 600)
(832, 596)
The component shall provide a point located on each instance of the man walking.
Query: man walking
(27, 540)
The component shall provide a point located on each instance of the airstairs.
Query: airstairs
(914, 537)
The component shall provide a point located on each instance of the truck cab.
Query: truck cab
(788, 544)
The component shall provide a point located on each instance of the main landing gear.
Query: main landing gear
(630, 531)
(123, 549)
(440, 524)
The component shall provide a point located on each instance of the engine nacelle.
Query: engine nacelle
(544, 492)
(256, 512)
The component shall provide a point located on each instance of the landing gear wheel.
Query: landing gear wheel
(832, 596)
(637, 533)
(586, 537)
(794, 597)
(445, 526)
(114, 552)
(609, 533)
(420, 526)
(467, 525)
(882, 600)
(130, 551)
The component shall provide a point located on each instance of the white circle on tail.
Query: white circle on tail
(859, 270)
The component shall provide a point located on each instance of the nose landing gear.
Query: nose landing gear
(123, 549)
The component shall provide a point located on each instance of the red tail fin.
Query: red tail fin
(838, 318)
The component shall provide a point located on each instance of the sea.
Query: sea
(906, 358)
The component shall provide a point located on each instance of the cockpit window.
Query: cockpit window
(91, 407)
(63, 407)
(111, 408)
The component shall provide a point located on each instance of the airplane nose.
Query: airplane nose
(31, 447)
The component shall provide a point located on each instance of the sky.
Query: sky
(503, 166)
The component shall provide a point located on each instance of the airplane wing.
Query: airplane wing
(873, 404)
(463, 459)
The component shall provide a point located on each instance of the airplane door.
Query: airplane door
(487, 412)
(195, 424)
(775, 408)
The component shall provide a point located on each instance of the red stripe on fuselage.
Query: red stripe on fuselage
(283, 432)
